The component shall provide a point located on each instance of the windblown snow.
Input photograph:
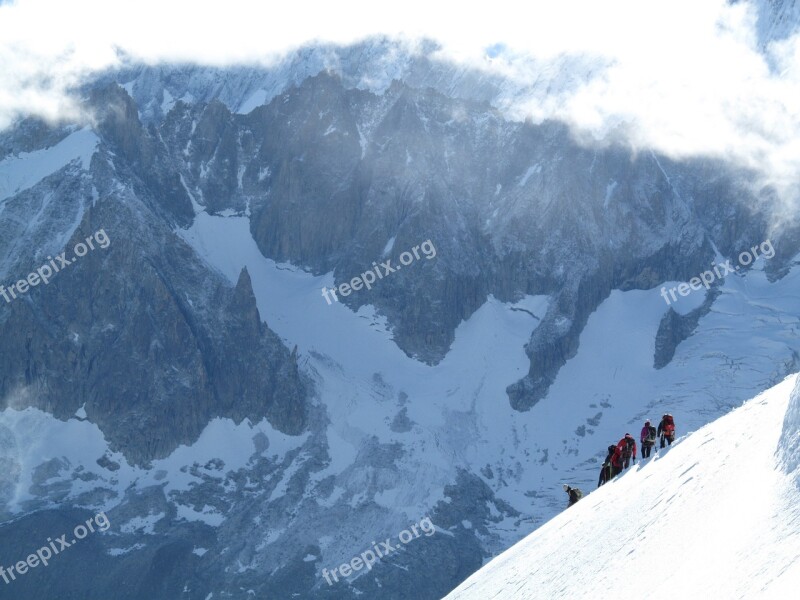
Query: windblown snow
(716, 516)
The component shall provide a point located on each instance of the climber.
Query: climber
(648, 438)
(666, 429)
(627, 448)
(607, 470)
(616, 462)
(574, 494)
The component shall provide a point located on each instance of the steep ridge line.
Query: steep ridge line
(715, 516)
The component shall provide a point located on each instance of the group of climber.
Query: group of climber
(621, 455)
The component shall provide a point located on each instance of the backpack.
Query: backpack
(575, 494)
(651, 434)
(627, 451)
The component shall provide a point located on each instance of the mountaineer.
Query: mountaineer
(574, 494)
(648, 438)
(607, 470)
(627, 448)
(666, 429)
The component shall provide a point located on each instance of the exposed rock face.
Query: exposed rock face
(331, 175)
(141, 154)
(141, 332)
(29, 135)
(168, 559)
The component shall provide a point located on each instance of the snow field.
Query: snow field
(712, 517)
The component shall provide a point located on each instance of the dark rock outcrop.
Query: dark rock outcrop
(675, 328)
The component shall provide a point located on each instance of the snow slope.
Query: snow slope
(716, 516)
(18, 173)
(46, 217)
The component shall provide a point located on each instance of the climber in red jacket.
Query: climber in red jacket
(666, 430)
(627, 450)
(616, 461)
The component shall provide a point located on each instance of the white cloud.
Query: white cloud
(685, 77)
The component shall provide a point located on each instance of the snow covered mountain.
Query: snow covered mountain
(243, 434)
(715, 516)
(371, 65)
